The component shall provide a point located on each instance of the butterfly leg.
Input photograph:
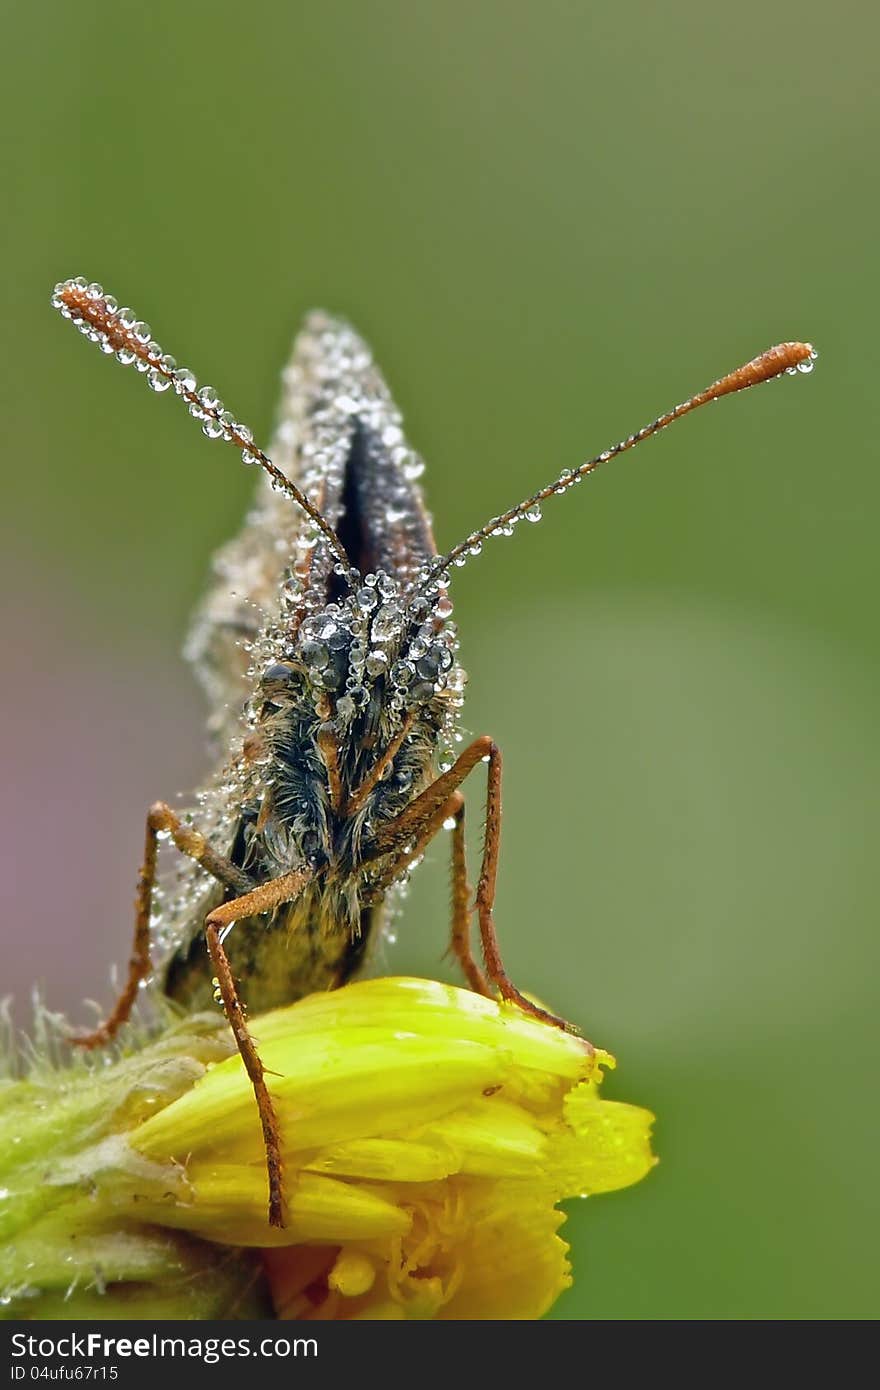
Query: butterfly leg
(452, 809)
(160, 820)
(486, 896)
(424, 811)
(262, 899)
(460, 942)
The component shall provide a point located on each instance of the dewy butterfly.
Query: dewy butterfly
(330, 662)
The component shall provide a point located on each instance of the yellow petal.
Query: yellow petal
(511, 1262)
(492, 1137)
(228, 1202)
(388, 1160)
(608, 1144)
(432, 1009)
(328, 1088)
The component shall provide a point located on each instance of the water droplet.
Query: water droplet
(387, 623)
(428, 665)
(346, 708)
(184, 380)
(156, 380)
(376, 663)
(534, 513)
(248, 456)
(142, 331)
(413, 468)
(807, 365)
(212, 428)
(315, 654)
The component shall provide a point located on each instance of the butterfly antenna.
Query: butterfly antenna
(118, 331)
(785, 357)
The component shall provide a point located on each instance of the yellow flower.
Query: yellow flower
(428, 1134)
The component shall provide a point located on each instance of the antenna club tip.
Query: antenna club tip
(98, 315)
(798, 352)
(791, 358)
(784, 357)
(76, 292)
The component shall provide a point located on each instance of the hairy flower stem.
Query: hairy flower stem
(71, 1242)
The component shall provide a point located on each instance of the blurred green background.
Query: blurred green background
(551, 221)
